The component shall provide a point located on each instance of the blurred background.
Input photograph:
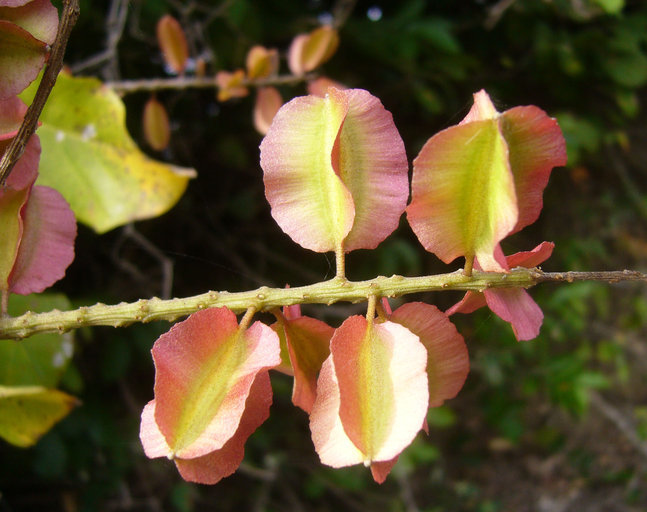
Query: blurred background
(558, 423)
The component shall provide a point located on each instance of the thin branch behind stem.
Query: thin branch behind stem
(195, 82)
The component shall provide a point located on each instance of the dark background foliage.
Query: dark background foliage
(555, 424)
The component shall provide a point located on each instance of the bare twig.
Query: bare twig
(622, 423)
(342, 11)
(195, 82)
(264, 298)
(52, 68)
(496, 12)
(115, 23)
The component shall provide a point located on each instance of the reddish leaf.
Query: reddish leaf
(320, 85)
(309, 51)
(261, 62)
(21, 58)
(12, 112)
(515, 306)
(47, 245)
(230, 85)
(172, 42)
(157, 128)
(268, 103)
(38, 17)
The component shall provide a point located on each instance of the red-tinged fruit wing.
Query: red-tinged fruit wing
(447, 357)
(205, 367)
(212, 467)
(536, 145)
(463, 198)
(300, 161)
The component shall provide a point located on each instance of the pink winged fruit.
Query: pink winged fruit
(479, 181)
(514, 305)
(376, 386)
(335, 171)
(212, 391)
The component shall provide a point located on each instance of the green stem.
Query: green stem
(469, 265)
(264, 298)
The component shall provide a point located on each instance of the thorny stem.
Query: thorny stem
(52, 68)
(265, 299)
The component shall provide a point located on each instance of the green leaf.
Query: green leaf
(611, 6)
(27, 412)
(89, 157)
(39, 360)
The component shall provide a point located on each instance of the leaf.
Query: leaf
(268, 103)
(261, 62)
(205, 367)
(463, 199)
(47, 245)
(11, 229)
(308, 51)
(515, 305)
(373, 165)
(12, 112)
(26, 30)
(172, 42)
(372, 394)
(156, 126)
(27, 412)
(230, 85)
(39, 360)
(38, 17)
(91, 160)
(21, 58)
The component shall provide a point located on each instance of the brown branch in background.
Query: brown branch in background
(341, 12)
(108, 58)
(194, 82)
(496, 12)
(52, 68)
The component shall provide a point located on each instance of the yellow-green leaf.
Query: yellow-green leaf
(91, 160)
(27, 412)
